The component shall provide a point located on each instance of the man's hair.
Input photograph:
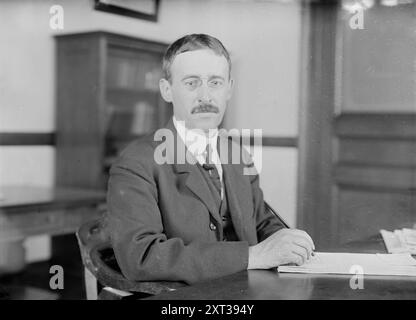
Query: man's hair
(193, 42)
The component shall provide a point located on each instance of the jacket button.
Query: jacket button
(212, 226)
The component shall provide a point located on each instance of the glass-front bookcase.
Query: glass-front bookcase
(107, 96)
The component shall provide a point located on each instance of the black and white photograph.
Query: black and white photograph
(203, 156)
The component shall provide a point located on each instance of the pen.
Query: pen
(268, 207)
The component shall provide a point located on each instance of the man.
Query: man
(198, 219)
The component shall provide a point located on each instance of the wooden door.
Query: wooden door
(357, 140)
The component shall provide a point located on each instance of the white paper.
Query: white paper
(401, 264)
(400, 241)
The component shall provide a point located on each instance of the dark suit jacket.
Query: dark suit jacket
(164, 223)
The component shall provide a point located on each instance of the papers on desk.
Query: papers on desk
(400, 241)
(400, 264)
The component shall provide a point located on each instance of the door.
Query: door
(357, 142)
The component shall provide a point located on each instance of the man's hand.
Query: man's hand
(282, 247)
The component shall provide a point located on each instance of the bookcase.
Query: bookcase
(107, 95)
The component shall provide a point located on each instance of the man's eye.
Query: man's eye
(191, 83)
(215, 83)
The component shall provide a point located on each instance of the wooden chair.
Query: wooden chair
(103, 278)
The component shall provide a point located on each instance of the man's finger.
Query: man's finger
(301, 252)
(298, 258)
(305, 235)
(310, 239)
(302, 242)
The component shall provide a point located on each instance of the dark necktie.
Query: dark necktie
(212, 169)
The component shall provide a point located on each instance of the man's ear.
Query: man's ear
(230, 89)
(165, 90)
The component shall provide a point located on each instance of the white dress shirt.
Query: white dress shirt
(196, 142)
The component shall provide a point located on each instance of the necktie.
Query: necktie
(212, 169)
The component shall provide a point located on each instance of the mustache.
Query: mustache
(205, 108)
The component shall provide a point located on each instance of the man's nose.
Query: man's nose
(204, 93)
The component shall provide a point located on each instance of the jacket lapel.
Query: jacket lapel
(235, 186)
(189, 174)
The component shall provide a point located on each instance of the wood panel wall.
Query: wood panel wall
(374, 173)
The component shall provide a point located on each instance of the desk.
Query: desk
(268, 284)
(28, 211)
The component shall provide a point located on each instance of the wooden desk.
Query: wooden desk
(268, 284)
(28, 211)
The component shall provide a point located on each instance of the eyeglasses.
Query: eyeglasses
(196, 82)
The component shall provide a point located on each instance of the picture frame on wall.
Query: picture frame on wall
(143, 9)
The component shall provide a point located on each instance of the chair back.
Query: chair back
(98, 257)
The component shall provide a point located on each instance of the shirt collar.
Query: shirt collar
(194, 139)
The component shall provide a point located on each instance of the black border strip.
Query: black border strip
(27, 139)
(280, 142)
(271, 141)
(49, 139)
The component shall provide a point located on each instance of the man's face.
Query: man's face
(199, 89)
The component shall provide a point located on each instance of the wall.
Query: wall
(264, 48)
(264, 40)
